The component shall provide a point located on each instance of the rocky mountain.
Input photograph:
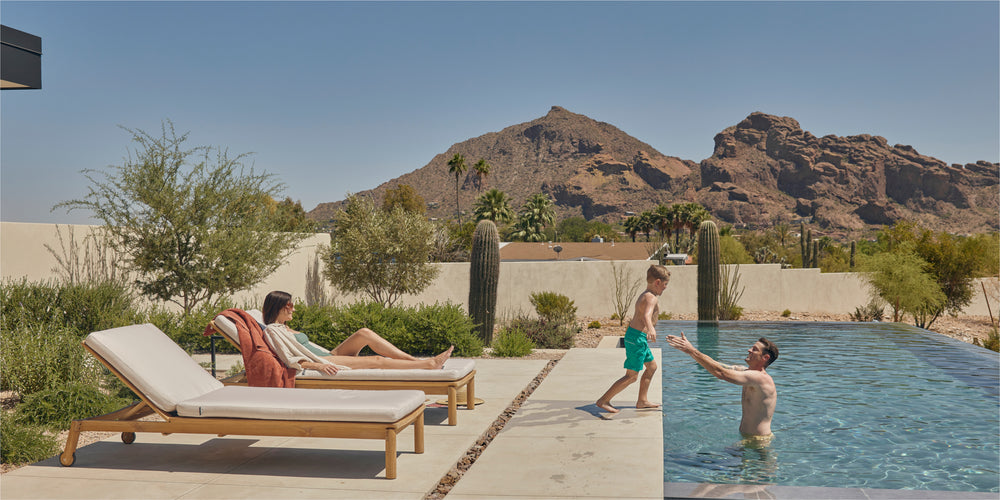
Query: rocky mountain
(764, 170)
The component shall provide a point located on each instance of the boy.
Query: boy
(641, 330)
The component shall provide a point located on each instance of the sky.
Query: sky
(339, 97)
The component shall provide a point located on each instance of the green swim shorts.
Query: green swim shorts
(637, 351)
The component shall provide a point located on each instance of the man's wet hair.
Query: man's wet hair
(770, 349)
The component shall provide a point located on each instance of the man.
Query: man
(759, 393)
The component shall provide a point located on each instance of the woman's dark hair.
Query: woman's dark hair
(273, 304)
(770, 349)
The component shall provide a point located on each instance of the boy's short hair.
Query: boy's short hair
(657, 272)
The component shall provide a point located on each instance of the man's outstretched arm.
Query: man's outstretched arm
(717, 369)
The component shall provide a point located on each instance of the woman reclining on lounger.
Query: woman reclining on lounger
(291, 346)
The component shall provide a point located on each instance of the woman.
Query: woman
(292, 347)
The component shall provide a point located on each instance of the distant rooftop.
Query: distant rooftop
(542, 251)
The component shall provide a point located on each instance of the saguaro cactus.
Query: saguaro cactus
(853, 249)
(709, 272)
(483, 278)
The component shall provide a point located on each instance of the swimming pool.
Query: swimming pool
(866, 405)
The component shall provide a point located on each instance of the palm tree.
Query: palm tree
(695, 215)
(536, 213)
(664, 221)
(647, 221)
(495, 206)
(631, 226)
(482, 169)
(456, 165)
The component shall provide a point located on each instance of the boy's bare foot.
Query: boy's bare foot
(441, 358)
(606, 406)
(646, 404)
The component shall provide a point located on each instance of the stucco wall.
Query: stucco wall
(589, 284)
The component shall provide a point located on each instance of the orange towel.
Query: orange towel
(263, 367)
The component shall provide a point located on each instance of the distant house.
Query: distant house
(546, 251)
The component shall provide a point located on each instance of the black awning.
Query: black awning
(20, 59)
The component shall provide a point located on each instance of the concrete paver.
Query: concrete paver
(560, 445)
(189, 466)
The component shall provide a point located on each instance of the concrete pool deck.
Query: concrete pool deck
(556, 446)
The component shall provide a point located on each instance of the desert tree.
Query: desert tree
(189, 226)
(626, 285)
(381, 254)
(406, 197)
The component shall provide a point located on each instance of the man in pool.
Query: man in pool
(759, 393)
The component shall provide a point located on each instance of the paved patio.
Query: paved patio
(557, 446)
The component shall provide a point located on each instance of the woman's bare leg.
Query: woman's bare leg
(361, 362)
(365, 337)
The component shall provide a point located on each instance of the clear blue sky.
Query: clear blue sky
(337, 97)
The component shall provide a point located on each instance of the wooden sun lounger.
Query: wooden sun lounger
(224, 415)
(385, 380)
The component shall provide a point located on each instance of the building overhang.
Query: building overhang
(20, 59)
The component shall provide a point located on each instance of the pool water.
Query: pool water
(865, 405)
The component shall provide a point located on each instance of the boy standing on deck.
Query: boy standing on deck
(641, 330)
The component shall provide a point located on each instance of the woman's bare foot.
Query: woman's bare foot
(441, 358)
(646, 404)
(606, 406)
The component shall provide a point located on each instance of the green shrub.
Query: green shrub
(421, 330)
(615, 316)
(42, 356)
(512, 343)
(594, 324)
(189, 331)
(544, 334)
(991, 342)
(786, 313)
(317, 322)
(665, 316)
(731, 313)
(84, 308)
(55, 407)
(873, 311)
(22, 444)
(554, 308)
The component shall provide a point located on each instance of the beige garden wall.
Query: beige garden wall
(589, 284)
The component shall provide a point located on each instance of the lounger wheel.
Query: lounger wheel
(72, 460)
(128, 437)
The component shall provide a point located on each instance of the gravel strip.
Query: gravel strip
(459, 469)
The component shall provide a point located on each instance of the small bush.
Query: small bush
(594, 324)
(615, 316)
(189, 331)
(512, 343)
(991, 342)
(23, 444)
(83, 308)
(42, 356)
(554, 308)
(422, 330)
(871, 312)
(544, 334)
(236, 369)
(55, 407)
(732, 313)
(786, 313)
(665, 316)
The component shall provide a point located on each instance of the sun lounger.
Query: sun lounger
(454, 376)
(189, 400)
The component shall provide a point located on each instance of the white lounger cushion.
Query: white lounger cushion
(171, 380)
(453, 369)
(272, 403)
(154, 364)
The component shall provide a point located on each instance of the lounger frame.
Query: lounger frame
(127, 421)
(449, 387)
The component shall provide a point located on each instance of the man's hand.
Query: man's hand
(680, 343)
